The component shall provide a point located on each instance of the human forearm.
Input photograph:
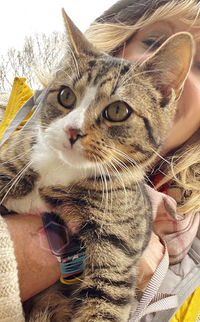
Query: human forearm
(37, 267)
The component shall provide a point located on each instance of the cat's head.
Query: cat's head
(100, 109)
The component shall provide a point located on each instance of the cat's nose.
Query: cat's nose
(74, 134)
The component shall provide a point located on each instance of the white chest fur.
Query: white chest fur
(53, 171)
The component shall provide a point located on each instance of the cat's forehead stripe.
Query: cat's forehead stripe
(88, 97)
(76, 117)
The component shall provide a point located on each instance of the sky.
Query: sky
(20, 18)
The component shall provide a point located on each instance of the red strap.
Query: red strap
(155, 179)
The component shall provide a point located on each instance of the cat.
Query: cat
(102, 122)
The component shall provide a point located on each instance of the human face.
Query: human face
(141, 46)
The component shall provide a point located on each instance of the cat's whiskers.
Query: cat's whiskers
(116, 172)
(112, 190)
(140, 60)
(103, 187)
(18, 130)
(15, 180)
(123, 166)
(126, 76)
(10, 151)
(66, 75)
(118, 175)
(134, 85)
(17, 157)
(74, 61)
(106, 166)
(95, 168)
(131, 174)
(106, 208)
(119, 160)
(130, 160)
(106, 189)
(161, 157)
(126, 168)
(119, 71)
(126, 80)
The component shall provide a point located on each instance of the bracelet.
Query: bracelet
(67, 247)
(72, 268)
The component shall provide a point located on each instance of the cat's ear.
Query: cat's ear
(79, 43)
(170, 64)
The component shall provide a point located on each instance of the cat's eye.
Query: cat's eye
(117, 112)
(66, 97)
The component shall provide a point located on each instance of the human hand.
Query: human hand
(178, 232)
(149, 261)
(162, 205)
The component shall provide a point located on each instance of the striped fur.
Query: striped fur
(95, 181)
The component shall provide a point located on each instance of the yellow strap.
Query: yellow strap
(190, 310)
(70, 282)
(20, 93)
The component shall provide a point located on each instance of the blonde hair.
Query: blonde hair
(184, 163)
(109, 37)
(183, 167)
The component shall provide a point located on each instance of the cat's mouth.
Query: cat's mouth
(74, 155)
(68, 147)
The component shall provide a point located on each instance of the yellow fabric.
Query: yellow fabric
(190, 310)
(20, 93)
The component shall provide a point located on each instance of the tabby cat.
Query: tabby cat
(102, 122)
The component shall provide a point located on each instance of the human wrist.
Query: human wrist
(66, 246)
